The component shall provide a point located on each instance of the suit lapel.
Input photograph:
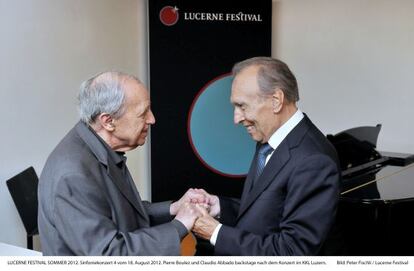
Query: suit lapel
(101, 154)
(278, 160)
(126, 190)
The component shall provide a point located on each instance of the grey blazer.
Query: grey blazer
(86, 207)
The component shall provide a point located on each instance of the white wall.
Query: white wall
(47, 48)
(354, 61)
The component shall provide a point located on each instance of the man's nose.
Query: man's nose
(238, 116)
(150, 118)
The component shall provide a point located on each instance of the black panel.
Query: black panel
(183, 58)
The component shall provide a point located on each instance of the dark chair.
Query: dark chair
(23, 189)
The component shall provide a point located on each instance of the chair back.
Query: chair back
(23, 189)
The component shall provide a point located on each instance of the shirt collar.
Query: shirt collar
(285, 129)
(117, 157)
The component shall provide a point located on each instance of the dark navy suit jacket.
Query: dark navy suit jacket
(292, 206)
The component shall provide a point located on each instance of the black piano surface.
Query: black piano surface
(377, 195)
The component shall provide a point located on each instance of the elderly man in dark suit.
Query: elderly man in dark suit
(291, 191)
(88, 203)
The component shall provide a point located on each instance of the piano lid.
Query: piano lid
(389, 183)
(356, 148)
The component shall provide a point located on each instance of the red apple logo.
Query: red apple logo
(169, 15)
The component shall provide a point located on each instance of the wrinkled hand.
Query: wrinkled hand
(191, 196)
(205, 225)
(211, 200)
(189, 212)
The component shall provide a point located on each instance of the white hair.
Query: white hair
(103, 93)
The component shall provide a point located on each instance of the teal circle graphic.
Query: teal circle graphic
(221, 145)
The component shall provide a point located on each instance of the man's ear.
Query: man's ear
(278, 98)
(106, 122)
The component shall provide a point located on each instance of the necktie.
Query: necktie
(264, 151)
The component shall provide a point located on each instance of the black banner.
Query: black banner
(193, 46)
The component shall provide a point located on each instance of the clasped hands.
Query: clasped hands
(196, 210)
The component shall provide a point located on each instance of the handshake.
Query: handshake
(196, 210)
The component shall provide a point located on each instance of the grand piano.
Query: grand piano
(377, 195)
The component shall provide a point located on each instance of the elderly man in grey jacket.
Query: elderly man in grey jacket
(88, 203)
